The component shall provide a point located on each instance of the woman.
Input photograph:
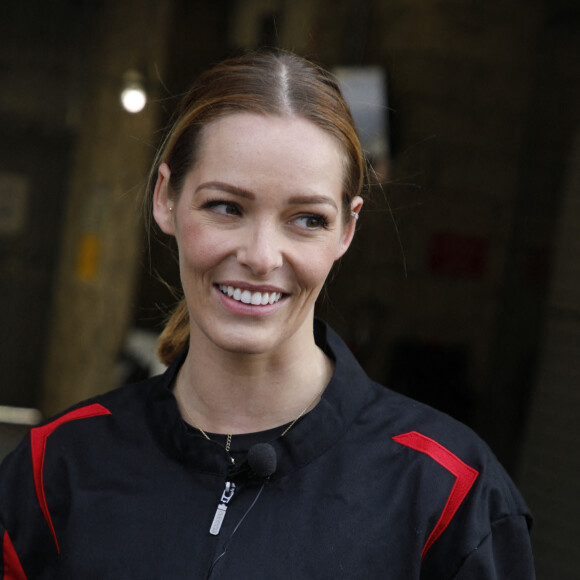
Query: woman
(264, 451)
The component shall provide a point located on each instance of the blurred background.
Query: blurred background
(462, 288)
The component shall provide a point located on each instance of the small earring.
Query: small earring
(170, 209)
(354, 215)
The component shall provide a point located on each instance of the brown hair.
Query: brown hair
(264, 82)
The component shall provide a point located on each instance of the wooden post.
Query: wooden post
(101, 247)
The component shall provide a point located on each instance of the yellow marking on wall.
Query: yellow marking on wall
(88, 257)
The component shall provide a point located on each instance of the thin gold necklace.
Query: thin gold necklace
(229, 435)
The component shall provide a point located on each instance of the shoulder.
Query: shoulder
(64, 449)
(111, 420)
(382, 410)
(425, 434)
(88, 418)
(422, 444)
(118, 404)
(454, 476)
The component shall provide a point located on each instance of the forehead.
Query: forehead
(283, 146)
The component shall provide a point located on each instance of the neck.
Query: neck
(225, 392)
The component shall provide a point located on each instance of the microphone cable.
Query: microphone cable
(226, 543)
(262, 461)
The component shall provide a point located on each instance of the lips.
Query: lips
(246, 296)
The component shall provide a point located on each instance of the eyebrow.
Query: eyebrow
(312, 199)
(220, 186)
(241, 192)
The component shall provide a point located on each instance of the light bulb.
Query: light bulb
(133, 95)
(133, 99)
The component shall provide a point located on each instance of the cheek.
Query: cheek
(200, 248)
(315, 267)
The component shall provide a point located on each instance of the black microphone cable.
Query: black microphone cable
(262, 461)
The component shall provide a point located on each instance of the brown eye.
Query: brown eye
(224, 207)
(312, 221)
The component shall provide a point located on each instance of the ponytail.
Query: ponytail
(175, 335)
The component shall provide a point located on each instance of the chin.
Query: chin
(246, 349)
(244, 340)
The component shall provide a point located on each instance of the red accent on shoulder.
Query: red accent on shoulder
(38, 437)
(12, 566)
(465, 477)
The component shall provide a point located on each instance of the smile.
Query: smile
(247, 297)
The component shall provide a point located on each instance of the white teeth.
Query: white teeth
(247, 297)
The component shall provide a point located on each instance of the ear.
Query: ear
(162, 201)
(349, 229)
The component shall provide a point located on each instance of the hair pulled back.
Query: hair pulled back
(273, 83)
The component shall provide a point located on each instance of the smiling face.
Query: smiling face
(259, 223)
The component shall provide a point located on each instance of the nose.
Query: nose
(261, 249)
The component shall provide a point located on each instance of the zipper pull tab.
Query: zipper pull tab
(220, 512)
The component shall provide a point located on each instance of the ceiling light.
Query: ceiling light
(133, 95)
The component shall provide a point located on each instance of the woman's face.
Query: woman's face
(259, 223)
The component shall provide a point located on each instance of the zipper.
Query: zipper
(220, 512)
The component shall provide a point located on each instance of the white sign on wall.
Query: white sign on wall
(365, 91)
